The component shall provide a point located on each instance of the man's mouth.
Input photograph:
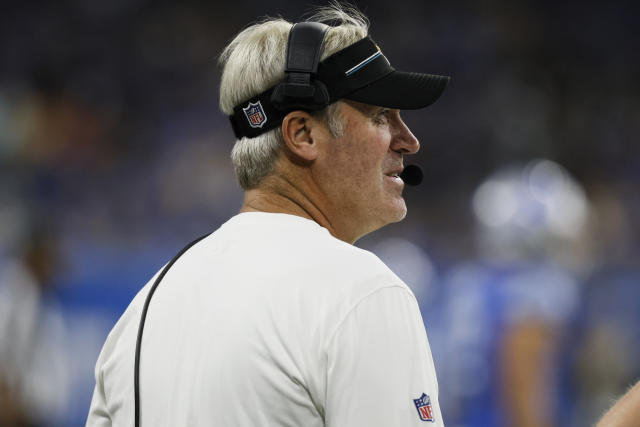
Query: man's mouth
(394, 173)
(395, 176)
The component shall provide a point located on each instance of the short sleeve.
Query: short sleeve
(98, 413)
(380, 370)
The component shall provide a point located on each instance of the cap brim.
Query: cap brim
(402, 90)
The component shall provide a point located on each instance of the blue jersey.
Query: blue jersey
(477, 304)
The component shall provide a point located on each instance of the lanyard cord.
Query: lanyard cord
(136, 373)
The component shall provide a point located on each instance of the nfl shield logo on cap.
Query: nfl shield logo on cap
(255, 114)
(423, 405)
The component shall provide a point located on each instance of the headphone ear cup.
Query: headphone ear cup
(321, 96)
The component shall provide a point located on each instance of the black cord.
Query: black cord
(136, 374)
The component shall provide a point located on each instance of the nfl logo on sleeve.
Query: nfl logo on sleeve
(255, 114)
(423, 405)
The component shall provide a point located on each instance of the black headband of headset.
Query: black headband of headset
(310, 85)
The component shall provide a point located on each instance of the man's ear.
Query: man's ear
(297, 135)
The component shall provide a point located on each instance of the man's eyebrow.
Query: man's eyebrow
(373, 110)
(366, 109)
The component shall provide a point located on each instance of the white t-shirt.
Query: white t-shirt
(271, 321)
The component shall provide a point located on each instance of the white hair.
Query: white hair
(254, 61)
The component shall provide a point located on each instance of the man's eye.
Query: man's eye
(382, 116)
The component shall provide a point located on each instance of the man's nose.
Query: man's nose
(404, 141)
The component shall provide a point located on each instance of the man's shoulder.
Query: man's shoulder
(351, 272)
(287, 241)
(354, 257)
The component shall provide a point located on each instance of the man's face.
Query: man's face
(361, 167)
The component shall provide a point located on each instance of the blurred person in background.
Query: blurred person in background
(34, 375)
(506, 313)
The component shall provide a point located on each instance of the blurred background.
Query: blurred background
(521, 245)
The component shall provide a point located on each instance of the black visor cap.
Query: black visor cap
(362, 73)
(402, 90)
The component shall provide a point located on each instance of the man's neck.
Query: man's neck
(278, 195)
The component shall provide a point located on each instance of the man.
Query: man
(276, 319)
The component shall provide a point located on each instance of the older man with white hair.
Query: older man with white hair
(276, 319)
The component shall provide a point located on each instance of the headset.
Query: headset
(299, 90)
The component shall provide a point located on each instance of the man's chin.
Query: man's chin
(401, 209)
(393, 211)
(401, 216)
(397, 211)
